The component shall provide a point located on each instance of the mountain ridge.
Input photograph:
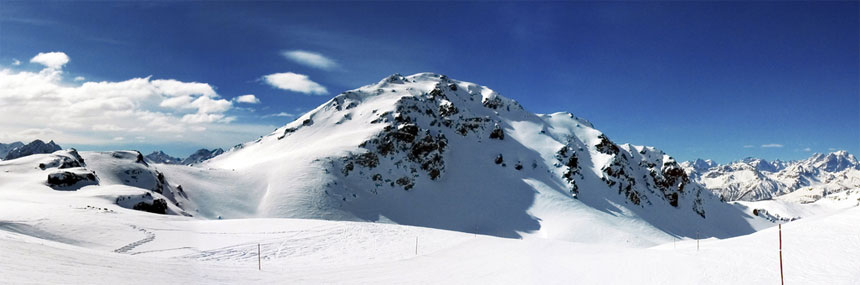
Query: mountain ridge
(374, 152)
(197, 157)
(34, 147)
(753, 179)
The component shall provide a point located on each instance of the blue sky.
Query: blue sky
(712, 80)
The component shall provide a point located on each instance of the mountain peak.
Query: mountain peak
(834, 161)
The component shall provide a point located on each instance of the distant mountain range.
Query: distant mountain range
(18, 149)
(753, 179)
(195, 158)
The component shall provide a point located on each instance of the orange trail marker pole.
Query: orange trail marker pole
(781, 278)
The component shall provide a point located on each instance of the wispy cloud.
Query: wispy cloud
(29, 21)
(807, 149)
(311, 59)
(16, 62)
(281, 114)
(749, 146)
(80, 78)
(772, 145)
(295, 82)
(247, 98)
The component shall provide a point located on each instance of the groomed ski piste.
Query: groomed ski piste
(351, 193)
(60, 240)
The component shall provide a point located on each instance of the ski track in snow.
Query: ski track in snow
(150, 236)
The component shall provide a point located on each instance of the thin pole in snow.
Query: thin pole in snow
(781, 279)
(697, 241)
(416, 245)
(259, 259)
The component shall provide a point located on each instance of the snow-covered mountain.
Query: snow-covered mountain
(754, 179)
(34, 147)
(432, 151)
(201, 155)
(161, 157)
(5, 148)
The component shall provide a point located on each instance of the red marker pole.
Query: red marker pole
(781, 279)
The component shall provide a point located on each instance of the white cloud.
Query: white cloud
(106, 128)
(311, 59)
(16, 62)
(206, 105)
(247, 98)
(172, 87)
(807, 149)
(749, 146)
(118, 138)
(831, 149)
(202, 118)
(181, 102)
(295, 82)
(53, 60)
(772, 145)
(41, 105)
(281, 114)
(80, 78)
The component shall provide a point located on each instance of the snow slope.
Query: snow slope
(47, 242)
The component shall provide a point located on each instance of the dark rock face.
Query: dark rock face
(606, 146)
(497, 133)
(69, 180)
(616, 175)
(671, 181)
(158, 206)
(35, 147)
(568, 157)
(417, 146)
